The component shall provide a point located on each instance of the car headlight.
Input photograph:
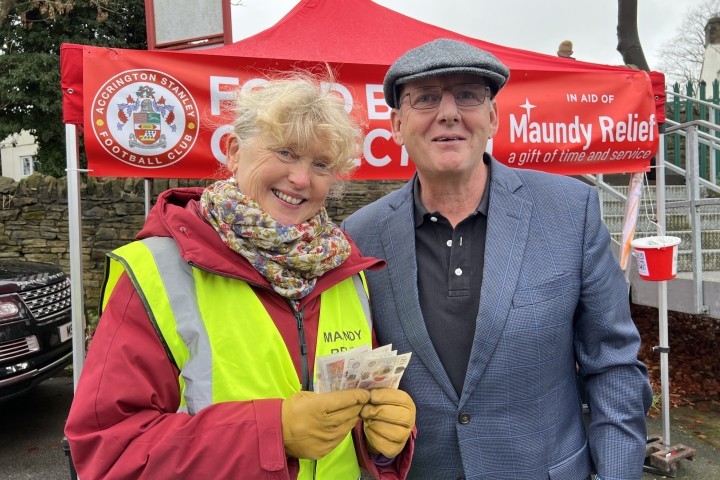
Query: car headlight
(9, 310)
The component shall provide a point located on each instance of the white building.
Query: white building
(18, 153)
(711, 59)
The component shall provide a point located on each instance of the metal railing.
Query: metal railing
(690, 147)
(696, 107)
(696, 134)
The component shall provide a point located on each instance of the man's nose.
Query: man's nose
(448, 109)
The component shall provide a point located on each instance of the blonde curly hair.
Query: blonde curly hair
(296, 111)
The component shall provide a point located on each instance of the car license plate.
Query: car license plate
(65, 332)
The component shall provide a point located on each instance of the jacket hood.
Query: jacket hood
(176, 214)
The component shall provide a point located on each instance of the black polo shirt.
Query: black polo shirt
(450, 272)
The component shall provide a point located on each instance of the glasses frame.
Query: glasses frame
(488, 94)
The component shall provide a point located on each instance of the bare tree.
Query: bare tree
(682, 55)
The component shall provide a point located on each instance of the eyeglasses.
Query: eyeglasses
(465, 95)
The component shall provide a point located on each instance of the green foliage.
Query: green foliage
(30, 39)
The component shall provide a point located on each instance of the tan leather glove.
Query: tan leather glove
(314, 424)
(388, 421)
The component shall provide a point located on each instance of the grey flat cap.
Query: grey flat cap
(441, 57)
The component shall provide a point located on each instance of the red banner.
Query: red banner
(575, 124)
(167, 114)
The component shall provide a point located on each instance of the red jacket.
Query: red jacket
(123, 422)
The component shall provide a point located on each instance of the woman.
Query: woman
(202, 363)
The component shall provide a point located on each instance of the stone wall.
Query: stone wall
(34, 218)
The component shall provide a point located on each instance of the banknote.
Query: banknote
(361, 368)
(400, 365)
(357, 364)
(329, 368)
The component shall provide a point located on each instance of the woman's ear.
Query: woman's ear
(233, 152)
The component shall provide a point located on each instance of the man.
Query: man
(503, 284)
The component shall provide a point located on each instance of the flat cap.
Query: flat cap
(442, 57)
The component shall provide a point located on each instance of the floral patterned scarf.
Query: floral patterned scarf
(290, 257)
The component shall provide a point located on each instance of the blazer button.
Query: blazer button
(464, 418)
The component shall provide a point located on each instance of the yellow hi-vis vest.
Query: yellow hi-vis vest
(211, 323)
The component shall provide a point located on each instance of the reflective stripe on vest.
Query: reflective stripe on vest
(191, 308)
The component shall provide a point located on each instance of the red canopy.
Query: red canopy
(360, 31)
(556, 114)
(375, 35)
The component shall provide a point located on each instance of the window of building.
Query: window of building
(28, 165)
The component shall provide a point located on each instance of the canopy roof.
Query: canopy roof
(363, 32)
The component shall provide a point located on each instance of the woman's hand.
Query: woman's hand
(314, 424)
(388, 420)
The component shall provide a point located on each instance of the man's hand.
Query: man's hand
(388, 421)
(314, 424)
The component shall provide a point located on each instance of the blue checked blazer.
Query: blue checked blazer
(553, 306)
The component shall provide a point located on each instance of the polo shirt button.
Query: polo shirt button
(464, 418)
(458, 271)
(433, 219)
(449, 243)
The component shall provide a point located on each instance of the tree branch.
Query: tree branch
(628, 39)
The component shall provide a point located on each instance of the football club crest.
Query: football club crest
(145, 118)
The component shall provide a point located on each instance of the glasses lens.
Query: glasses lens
(423, 98)
(466, 95)
(469, 94)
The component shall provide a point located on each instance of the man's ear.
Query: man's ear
(395, 122)
(494, 119)
(233, 152)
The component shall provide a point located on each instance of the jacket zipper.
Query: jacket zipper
(307, 383)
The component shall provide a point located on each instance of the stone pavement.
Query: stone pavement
(697, 427)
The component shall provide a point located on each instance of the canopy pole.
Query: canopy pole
(662, 298)
(660, 456)
(75, 247)
(148, 195)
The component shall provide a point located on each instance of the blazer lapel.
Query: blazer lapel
(398, 240)
(507, 233)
